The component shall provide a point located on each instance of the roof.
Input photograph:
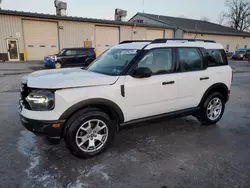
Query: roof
(132, 45)
(199, 44)
(78, 48)
(136, 45)
(197, 26)
(79, 19)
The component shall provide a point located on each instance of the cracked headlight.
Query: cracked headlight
(41, 100)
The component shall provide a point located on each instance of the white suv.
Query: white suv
(129, 83)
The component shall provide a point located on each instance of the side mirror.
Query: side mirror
(142, 72)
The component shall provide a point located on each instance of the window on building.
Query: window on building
(70, 52)
(160, 61)
(227, 48)
(189, 59)
(139, 21)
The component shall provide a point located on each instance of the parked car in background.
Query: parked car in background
(71, 57)
(241, 54)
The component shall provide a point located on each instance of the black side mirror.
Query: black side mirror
(142, 72)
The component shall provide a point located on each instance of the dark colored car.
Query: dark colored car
(241, 54)
(71, 57)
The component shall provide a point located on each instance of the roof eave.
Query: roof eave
(219, 33)
(80, 19)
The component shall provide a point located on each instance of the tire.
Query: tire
(84, 125)
(58, 65)
(206, 116)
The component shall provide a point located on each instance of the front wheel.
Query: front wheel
(212, 109)
(89, 133)
(58, 65)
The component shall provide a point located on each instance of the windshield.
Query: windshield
(61, 52)
(113, 61)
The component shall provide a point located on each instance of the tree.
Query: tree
(238, 14)
(221, 18)
(204, 18)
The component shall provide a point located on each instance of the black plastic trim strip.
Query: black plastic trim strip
(175, 114)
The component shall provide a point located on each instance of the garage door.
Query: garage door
(154, 34)
(106, 37)
(41, 39)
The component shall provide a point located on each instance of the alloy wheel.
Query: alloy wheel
(92, 135)
(214, 109)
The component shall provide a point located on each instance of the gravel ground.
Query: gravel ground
(168, 153)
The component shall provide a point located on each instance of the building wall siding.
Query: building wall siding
(139, 33)
(178, 34)
(125, 33)
(73, 34)
(10, 27)
(169, 33)
(232, 41)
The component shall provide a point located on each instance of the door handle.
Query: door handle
(204, 78)
(166, 83)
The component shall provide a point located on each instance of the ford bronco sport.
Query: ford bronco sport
(129, 83)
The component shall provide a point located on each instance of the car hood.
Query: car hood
(66, 78)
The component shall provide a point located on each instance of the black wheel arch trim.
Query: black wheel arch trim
(217, 85)
(95, 101)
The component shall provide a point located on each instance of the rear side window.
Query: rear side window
(70, 52)
(189, 59)
(216, 58)
(82, 52)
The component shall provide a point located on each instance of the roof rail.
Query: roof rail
(174, 39)
(130, 41)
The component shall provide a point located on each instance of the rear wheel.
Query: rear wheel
(89, 133)
(212, 109)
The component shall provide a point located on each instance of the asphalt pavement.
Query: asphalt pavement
(167, 153)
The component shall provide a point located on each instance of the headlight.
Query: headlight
(41, 100)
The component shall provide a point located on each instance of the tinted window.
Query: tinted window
(189, 59)
(82, 52)
(160, 61)
(70, 52)
(216, 57)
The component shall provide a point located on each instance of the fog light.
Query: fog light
(56, 125)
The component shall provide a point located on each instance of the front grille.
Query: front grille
(24, 93)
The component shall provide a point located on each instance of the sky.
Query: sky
(104, 9)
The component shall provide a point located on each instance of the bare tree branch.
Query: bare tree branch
(237, 14)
